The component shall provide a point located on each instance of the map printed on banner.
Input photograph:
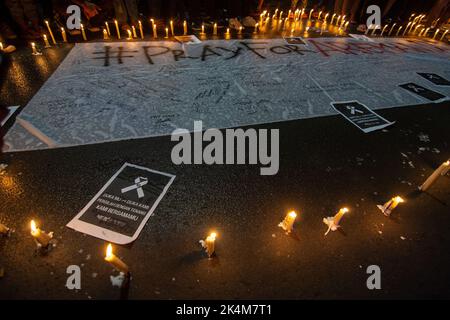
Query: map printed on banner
(361, 116)
(423, 92)
(435, 78)
(119, 211)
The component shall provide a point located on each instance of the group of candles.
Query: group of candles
(43, 239)
(414, 27)
(292, 21)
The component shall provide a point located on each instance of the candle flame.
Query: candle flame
(34, 229)
(292, 214)
(447, 163)
(212, 236)
(345, 210)
(399, 199)
(109, 251)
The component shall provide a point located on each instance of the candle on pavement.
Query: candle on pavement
(50, 31)
(288, 223)
(115, 261)
(209, 244)
(389, 206)
(441, 171)
(41, 237)
(333, 222)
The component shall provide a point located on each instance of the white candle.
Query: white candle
(63, 34)
(382, 31)
(134, 32)
(107, 28)
(47, 44)
(441, 171)
(41, 237)
(115, 261)
(392, 28)
(35, 52)
(442, 38)
(240, 30)
(215, 29)
(83, 32)
(167, 33)
(141, 30)
(1, 46)
(50, 31)
(325, 18)
(155, 32)
(389, 206)
(203, 29)
(435, 34)
(117, 29)
(310, 13)
(209, 244)
(288, 223)
(171, 28)
(105, 35)
(333, 222)
(406, 29)
(374, 29)
(332, 18)
(398, 31)
(130, 35)
(256, 28)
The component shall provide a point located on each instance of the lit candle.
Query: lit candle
(435, 34)
(332, 18)
(240, 30)
(47, 44)
(167, 33)
(288, 223)
(415, 29)
(426, 31)
(337, 20)
(63, 34)
(368, 29)
(41, 237)
(389, 206)
(281, 15)
(171, 28)
(107, 28)
(384, 28)
(310, 13)
(441, 171)
(320, 13)
(406, 29)
(333, 222)
(325, 18)
(130, 35)
(421, 17)
(50, 31)
(442, 38)
(227, 34)
(83, 32)
(392, 28)
(105, 35)
(398, 31)
(346, 25)
(209, 244)
(141, 29)
(375, 29)
(117, 29)
(185, 31)
(115, 261)
(4, 229)
(256, 28)
(155, 32)
(215, 29)
(35, 52)
(134, 32)
(1, 46)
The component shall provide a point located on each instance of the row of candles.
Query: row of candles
(413, 27)
(292, 21)
(43, 239)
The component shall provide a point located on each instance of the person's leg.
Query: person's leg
(120, 11)
(132, 10)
